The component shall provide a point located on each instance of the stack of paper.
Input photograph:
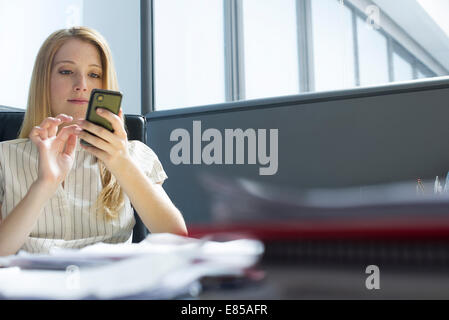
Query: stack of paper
(162, 266)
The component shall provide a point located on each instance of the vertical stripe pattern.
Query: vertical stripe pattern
(69, 219)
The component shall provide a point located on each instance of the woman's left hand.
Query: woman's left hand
(109, 147)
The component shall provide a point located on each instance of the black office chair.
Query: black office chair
(10, 122)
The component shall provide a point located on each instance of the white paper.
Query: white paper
(161, 266)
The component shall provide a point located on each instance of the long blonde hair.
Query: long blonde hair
(111, 198)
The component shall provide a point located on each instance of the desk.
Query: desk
(337, 282)
(294, 269)
(337, 269)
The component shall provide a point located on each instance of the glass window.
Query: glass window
(23, 29)
(420, 75)
(403, 70)
(423, 72)
(373, 55)
(189, 48)
(270, 48)
(333, 45)
(188, 53)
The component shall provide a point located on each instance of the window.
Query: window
(213, 51)
(270, 48)
(333, 45)
(373, 55)
(188, 53)
(403, 70)
(421, 75)
(273, 48)
(421, 71)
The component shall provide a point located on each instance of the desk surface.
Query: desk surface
(296, 281)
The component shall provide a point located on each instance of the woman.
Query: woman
(56, 192)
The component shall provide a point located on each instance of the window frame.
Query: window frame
(234, 50)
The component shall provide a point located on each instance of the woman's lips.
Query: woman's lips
(76, 101)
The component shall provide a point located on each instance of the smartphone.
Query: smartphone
(100, 98)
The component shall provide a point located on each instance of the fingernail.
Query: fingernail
(100, 110)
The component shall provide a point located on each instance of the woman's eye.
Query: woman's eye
(65, 72)
(95, 75)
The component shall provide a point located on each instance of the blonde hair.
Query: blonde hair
(111, 198)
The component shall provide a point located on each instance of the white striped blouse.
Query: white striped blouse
(69, 219)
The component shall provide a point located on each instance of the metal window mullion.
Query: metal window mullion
(356, 48)
(305, 45)
(227, 23)
(408, 57)
(415, 68)
(234, 54)
(390, 50)
(146, 52)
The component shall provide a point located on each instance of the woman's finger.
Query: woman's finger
(95, 151)
(115, 120)
(52, 127)
(97, 130)
(64, 118)
(43, 133)
(121, 116)
(51, 124)
(65, 132)
(96, 142)
(39, 133)
(70, 145)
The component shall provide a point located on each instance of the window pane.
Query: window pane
(423, 72)
(333, 45)
(373, 55)
(24, 25)
(189, 53)
(270, 48)
(403, 70)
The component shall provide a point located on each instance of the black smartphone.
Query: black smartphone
(100, 98)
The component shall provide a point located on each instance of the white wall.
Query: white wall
(24, 25)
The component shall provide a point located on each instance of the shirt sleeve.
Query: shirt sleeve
(147, 161)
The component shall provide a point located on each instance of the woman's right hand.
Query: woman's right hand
(56, 150)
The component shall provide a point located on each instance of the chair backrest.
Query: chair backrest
(10, 122)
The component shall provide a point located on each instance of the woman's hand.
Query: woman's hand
(56, 150)
(154, 206)
(109, 147)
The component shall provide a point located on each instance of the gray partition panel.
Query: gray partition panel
(335, 139)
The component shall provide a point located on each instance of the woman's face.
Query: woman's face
(76, 70)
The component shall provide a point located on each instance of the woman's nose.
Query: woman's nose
(80, 84)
